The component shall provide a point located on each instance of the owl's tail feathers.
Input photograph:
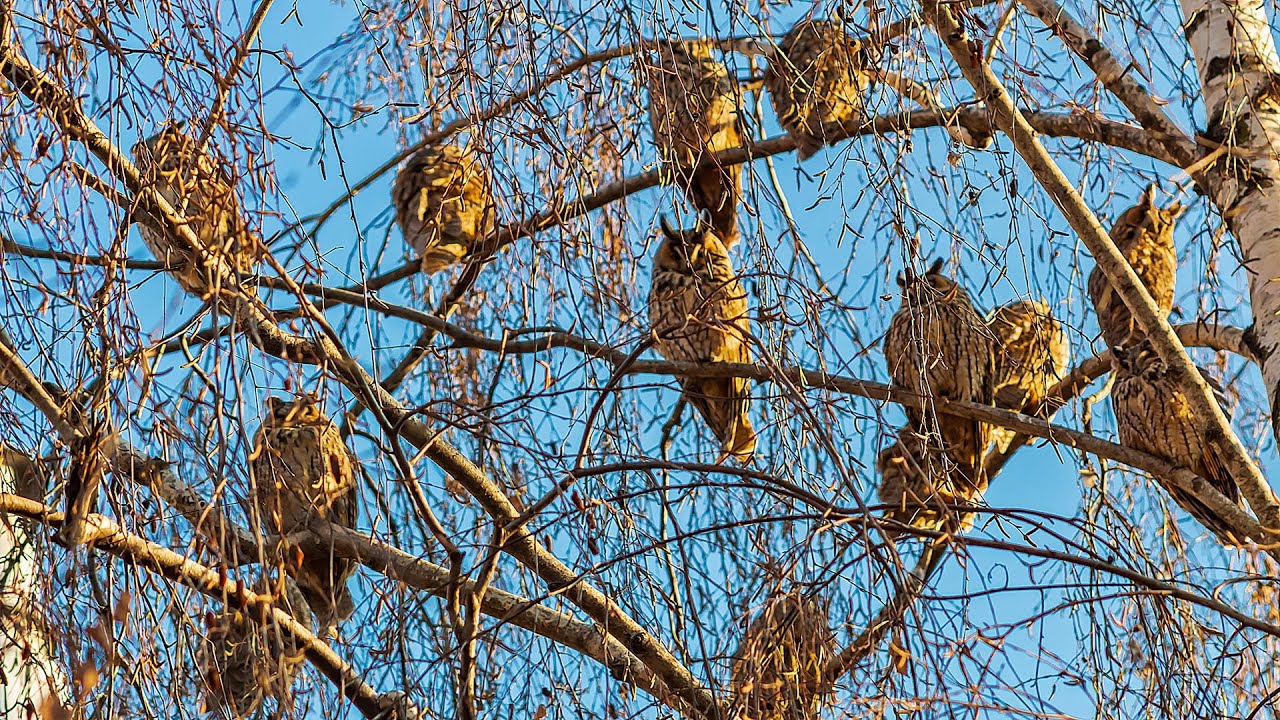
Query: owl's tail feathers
(324, 586)
(717, 189)
(438, 257)
(723, 403)
(806, 145)
(1207, 517)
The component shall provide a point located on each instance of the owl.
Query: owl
(694, 106)
(1154, 415)
(444, 204)
(1032, 355)
(698, 313)
(1144, 235)
(815, 78)
(301, 467)
(89, 464)
(247, 657)
(200, 189)
(778, 671)
(937, 345)
(916, 480)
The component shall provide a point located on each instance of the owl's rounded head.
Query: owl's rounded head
(683, 249)
(166, 149)
(303, 409)
(932, 286)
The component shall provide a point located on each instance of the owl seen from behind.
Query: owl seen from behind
(917, 481)
(779, 669)
(816, 78)
(694, 110)
(1032, 355)
(201, 190)
(443, 197)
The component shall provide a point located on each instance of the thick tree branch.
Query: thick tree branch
(111, 538)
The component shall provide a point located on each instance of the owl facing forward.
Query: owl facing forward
(698, 313)
(248, 657)
(815, 78)
(200, 189)
(1144, 235)
(918, 482)
(694, 110)
(938, 345)
(443, 198)
(302, 468)
(778, 671)
(1154, 415)
(1032, 355)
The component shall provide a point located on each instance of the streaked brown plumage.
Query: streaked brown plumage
(301, 467)
(1154, 416)
(1144, 235)
(937, 345)
(698, 313)
(1032, 355)
(777, 671)
(814, 78)
(917, 480)
(247, 657)
(200, 189)
(444, 204)
(694, 106)
(89, 464)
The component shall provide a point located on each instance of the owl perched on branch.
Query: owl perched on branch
(698, 313)
(778, 669)
(1144, 235)
(444, 204)
(302, 468)
(247, 657)
(694, 106)
(1154, 415)
(200, 189)
(937, 345)
(1032, 355)
(917, 480)
(816, 77)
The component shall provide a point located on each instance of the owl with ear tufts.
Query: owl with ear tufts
(938, 346)
(248, 656)
(694, 109)
(816, 78)
(1153, 415)
(778, 671)
(200, 190)
(444, 204)
(1144, 235)
(698, 313)
(1032, 355)
(302, 469)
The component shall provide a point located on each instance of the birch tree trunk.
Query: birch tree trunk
(32, 684)
(1240, 77)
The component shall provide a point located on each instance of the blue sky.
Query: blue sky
(848, 203)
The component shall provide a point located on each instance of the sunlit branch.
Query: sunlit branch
(1109, 259)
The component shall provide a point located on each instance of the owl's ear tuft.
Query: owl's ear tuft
(1174, 211)
(274, 404)
(669, 232)
(902, 280)
(935, 268)
(704, 220)
(1148, 198)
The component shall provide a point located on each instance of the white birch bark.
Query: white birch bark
(1239, 72)
(32, 684)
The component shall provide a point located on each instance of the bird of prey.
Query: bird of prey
(302, 469)
(1144, 235)
(1032, 355)
(443, 198)
(778, 670)
(694, 106)
(1154, 415)
(698, 313)
(200, 189)
(938, 346)
(816, 78)
(917, 480)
